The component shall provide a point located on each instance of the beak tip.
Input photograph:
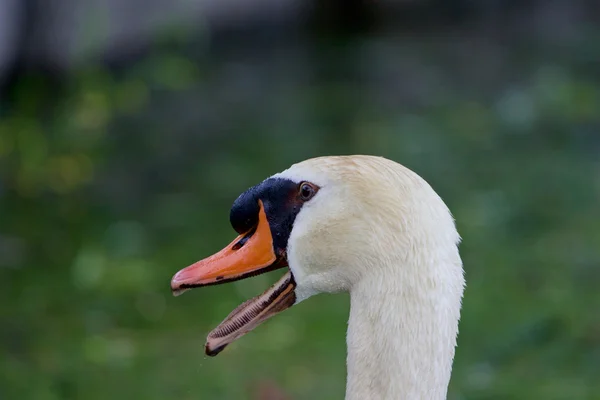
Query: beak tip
(211, 352)
(176, 283)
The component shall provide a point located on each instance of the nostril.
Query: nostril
(240, 243)
(243, 240)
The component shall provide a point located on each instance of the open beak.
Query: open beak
(250, 254)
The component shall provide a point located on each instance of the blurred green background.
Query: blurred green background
(114, 175)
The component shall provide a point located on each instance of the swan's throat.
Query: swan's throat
(401, 342)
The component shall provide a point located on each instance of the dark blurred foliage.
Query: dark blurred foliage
(114, 176)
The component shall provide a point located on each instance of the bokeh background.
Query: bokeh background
(128, 128)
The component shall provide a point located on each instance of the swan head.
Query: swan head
(335, 223)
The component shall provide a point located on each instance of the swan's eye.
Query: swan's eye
(307, 191)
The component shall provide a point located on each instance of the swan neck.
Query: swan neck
(401, 341)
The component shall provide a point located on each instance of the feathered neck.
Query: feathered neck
(402, 331)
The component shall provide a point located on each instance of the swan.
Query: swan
(361, 224)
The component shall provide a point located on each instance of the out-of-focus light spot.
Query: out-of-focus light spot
(131, 96)
(564, 96)
(88, 269)
(175, 72)
(471, 120)
(130, 275)
(584, 101)
(93, 112)
(517, 108)
(95, 349)
(121, 352)
(67, 172)
(151, 305)
(125, 238)
(97, 321)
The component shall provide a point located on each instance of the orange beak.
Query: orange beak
(251, 253)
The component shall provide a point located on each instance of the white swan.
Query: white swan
(361, 224)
